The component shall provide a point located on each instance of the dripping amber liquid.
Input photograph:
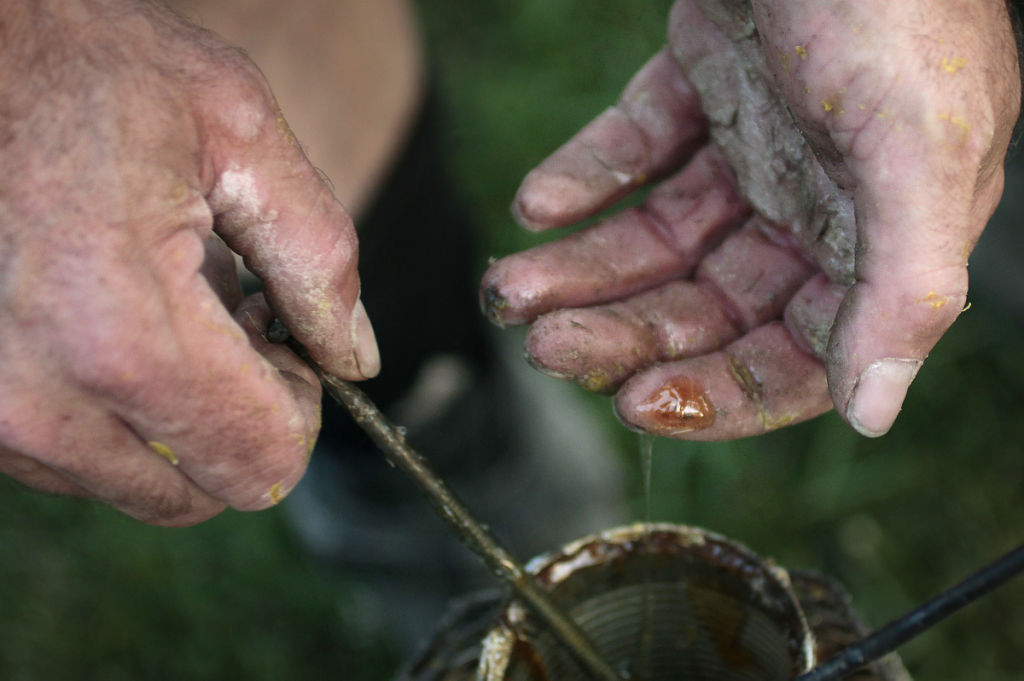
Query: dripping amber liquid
(679, 406)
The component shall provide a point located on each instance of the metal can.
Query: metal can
(661, 603)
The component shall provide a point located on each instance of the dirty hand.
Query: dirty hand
(867, 138)
(131, 370)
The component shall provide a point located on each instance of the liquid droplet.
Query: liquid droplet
(645, 642)
(646, 456)
(679, 406)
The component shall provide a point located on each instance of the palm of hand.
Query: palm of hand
(713, 326)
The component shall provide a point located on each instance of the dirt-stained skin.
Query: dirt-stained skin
(866, 139)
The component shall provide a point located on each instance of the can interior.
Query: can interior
(668, 617)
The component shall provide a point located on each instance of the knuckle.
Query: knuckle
(121, 367)
(241, 99)
(275, 476)
(335, 257)
(267, 456)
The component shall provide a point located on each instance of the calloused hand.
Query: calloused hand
(131, 370)
(830, 165)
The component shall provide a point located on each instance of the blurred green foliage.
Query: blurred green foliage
(88, 594)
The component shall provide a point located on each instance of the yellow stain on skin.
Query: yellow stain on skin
(787, 62)
(952, 65)
(934, 300)
(962, 125)
(164, 451)
(775, 422)
(284, 129)
(596, 381)
(834, 104)
(276, 493)
(180, 193)
(308, 445)
(801, 52)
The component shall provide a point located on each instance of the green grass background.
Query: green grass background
(88, 594)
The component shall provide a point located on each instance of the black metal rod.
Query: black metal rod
(901, 630)
(476, 536)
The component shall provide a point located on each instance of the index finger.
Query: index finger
(275, 209)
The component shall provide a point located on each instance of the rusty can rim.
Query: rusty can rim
(769, 583)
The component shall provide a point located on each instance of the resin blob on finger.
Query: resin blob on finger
(758, 383)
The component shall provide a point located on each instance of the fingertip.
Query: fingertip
(584, 346)
(364, 343)
(879, 393)
(670, 400)
(760, 382)
(655, 126)
(519, 212)
(346, 349)
(883, 332)
(549, 199)
(494, 303)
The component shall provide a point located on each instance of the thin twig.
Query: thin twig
(476, 536)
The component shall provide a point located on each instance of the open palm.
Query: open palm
(829, 168)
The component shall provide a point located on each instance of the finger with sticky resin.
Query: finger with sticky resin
(630, 252)
(273, 208)
(756, 384)
(600, 347)
(654, 127)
